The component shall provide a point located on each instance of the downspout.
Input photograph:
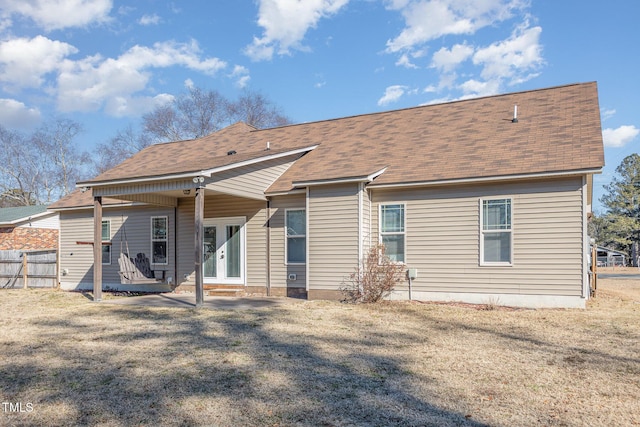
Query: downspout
(268, 247)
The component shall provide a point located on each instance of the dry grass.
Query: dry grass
(320, 363)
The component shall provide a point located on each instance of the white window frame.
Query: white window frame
(287, 236)
(166, 240)
(390, 233)
(108, 222)
(483, 232)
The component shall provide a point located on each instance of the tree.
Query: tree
(194, 114)
(256, 110)
(41, 167)
(125, 144)
(20, 171)
(189, 116)
(620, 225)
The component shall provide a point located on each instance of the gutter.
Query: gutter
(578, 172)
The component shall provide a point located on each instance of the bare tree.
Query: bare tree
(41, 167)
(254, 109)
(65, 163)
(189, 116)
(20, 171)
(192, 115)
(122, 146)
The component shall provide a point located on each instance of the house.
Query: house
(28, 228)
(607, 257)
(485, 199)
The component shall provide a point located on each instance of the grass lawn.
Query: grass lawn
(69, 361)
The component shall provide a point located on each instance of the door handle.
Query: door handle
(221, 254)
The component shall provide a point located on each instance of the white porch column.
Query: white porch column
(97, 248)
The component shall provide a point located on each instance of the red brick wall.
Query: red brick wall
(28, 238)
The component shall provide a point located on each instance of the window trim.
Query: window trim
(287, 236)
(108, 222)
(152, 240)
(482, 233)
(403, 233)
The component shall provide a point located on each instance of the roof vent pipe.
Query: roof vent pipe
(515, 114)
(268, 146)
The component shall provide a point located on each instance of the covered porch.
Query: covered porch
(221, 235)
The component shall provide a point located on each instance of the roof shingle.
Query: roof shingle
(558, 130)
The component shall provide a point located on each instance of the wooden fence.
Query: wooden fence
(29, 269)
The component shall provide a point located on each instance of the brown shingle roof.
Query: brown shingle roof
(558, 130)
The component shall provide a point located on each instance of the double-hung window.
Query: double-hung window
(159, 239)
(496, 232)
(296, 233)
(106, 237)
(392, 231)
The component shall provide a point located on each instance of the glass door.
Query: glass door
(224, 252)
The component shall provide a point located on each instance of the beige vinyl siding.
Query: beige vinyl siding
(49, 221)
(130, 226)
(443, 237)
(367, 237)
(251, 180)
(223, 206)
(332, 235)
(280, 270)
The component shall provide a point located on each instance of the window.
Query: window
(296, 229)
(159, 239)
(496, 232)
(392, 231)
(106, 237)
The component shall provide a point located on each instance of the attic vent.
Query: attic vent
(231, 153)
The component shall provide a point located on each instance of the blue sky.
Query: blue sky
(104, 63)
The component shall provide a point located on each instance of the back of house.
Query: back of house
(485, 200)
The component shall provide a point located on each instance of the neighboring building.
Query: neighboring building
(28, 228)
(611, 258)
(486, 206)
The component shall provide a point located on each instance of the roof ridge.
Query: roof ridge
(498, 95)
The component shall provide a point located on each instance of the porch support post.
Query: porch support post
(199, 245)
(97, 248)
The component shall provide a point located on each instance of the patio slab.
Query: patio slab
(189, 301)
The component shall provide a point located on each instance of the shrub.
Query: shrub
(374, 279)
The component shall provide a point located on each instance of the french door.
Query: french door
(224, 250)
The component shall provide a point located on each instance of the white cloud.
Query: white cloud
(515, 59)
(404, 61)
(122, 106)
(607, 114)
(24, 62)
(16, 115)
(59, 14)
(92, 82)
(474, 88)
(241, 75)
(150, 20)
(392, 94)
(620, 136)
(427, 20)
(447, 60)
(285, 23)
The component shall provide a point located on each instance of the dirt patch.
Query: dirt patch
(319, 363)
